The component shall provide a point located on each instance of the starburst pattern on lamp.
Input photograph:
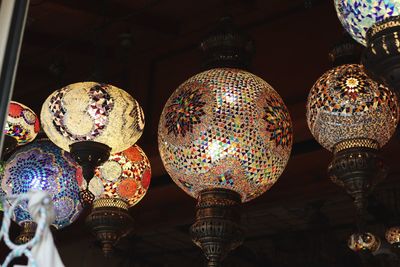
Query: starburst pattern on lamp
(225, 128)
(41, 165)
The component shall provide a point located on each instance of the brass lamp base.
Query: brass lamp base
(357, 167)
(109, 221)
(27, 233)
(382, 55)
(217, 228)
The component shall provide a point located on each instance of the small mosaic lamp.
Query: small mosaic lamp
(376, 25)
(364, 242)
(118, 184)
(353, 116)
(91, 120)
(225, 137)
(392, 236)
(22, 126)
(41, 165)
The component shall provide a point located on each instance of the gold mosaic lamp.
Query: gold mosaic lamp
(392, 236)
(119, 184)
(91, 120)
(364, 242)
(353, 116)
(224, 137)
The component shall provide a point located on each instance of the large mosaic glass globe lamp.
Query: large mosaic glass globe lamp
(21, 127)
(224, 137)
(119, 184)
(90, 120)
(351, 115)
(376, 25)
(41, 165)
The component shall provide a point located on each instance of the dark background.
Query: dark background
(148, 48)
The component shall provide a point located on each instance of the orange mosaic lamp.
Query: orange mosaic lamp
(21, 127)
(119, 184)
(125, 177)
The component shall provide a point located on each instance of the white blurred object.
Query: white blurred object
(40, 251)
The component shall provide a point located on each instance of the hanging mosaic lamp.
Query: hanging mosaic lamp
(118, 184)
(22, 126)
(376, 25)
(41, 165)
(353, 116)
(224, 137)
(392, 236)
(364, 242)
(91, 120)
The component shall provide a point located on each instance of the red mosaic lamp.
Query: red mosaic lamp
(118, 184)
(22, 126)
(224, 137)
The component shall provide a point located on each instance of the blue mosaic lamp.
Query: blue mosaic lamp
(376, 25)
(41, 165)
(359, 16)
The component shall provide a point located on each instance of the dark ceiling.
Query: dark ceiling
(148, 48)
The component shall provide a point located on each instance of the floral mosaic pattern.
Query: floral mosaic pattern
(279, 124)
(185, 110)
(22, 123)
(126, 175)
(357, 16)
(95, 112)
(43, 166)
(345, 103)
(239, 138)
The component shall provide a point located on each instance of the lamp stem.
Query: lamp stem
(357, 167)
(213, 262)
(217, 229)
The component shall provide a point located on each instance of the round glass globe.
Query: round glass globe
(346, 104)
(357, 16)
(22, 123)
(90, 111)
(392, 235)
(126, 176)
(41, 165)
(225, 128)
(364, 241)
